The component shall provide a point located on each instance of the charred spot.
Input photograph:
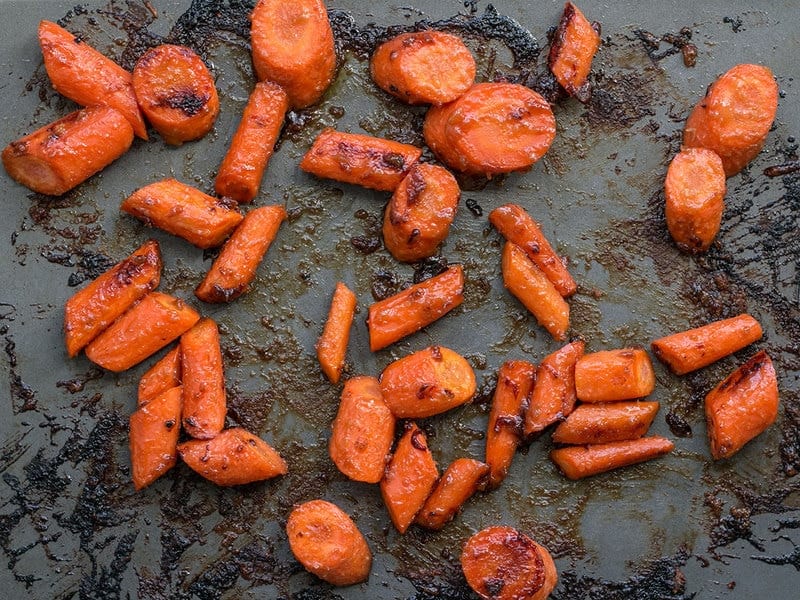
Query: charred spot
(422, 390)
(678, 425)
(474, 207)
(689, 53)
(384, 284)
(418, 440)
(393, 161)
(436, 353)
(430, 267)
(415, 186)
(188, 101)
(365, 244)
(169, 424)
(786, 168)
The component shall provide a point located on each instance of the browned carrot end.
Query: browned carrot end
(462, 478)
(606, 422)
(204, 402)
(332, 344)
(163, 375)
(571, 52)
(608, 375)
(577, 462)
(154, 431)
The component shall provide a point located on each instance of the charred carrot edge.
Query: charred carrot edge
(204, 403)
(407, 312)
(235, 267)
(577, 462)
(462, 478)
(332, 344)
(163, 375)
(571, 52)
(93, 308)
(152, 323)
(59, 156)
(696, 348)
(360, 159)
(606, 422)
(154, 431)
(608, 375)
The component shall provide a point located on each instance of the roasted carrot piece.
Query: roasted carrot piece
(184, 211)
(292, 45)
(162, 376)
(528, 284)
(362, 160)
(54, 159)
(409, 478)
(608, 375)
(204, 403)
(460, 481)
(149, 325)
(235, 267)
(577, 462)
(395, 317)
(86, 76)
(514, 383)
(427, 383)
(332, 344)
(242, 169)
(176, 92)
(434, 131)
(90, 310)
(501, 563)
(154, 431)
(742, 406)
(553, 396)
(606, 422)
(571, 52)
(517, 226)
(424, 67)
(234, 457)
(326, 541)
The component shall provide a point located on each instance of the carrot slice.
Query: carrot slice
(162, 376)
(395, 317)
(571, 52)
(577, 462)
(90, 310)
(606, 422)
(696, 348)
(434, 131)
(204, 404)
(154, 431)
(460, 481)
(332, 344)
(235, 267)
(608, 375)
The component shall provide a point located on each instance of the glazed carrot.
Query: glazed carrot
(500, 563)
(292, 45)
(608, 375)
(152, 323)
(235, 267)
(577, 462)
(517, 226)
(424, 67)
(360, 159)
(184, 211)
(234, 457)
(530, 285)
(241, 171)
(154, 431)
(176, 92)
(606, 422)
(90, 310)
(204, 404)
(86, 76)
(409, 478)
(742, 406)
(427, 383)
(54, 159)
(515, 380)
(326, 541)
(162, 376)
(434, 131)
(332, 344)
(735, 116)
(395, 317)
(460, 481)
(553, 396)
(694, 349)
(418, 217)
(571, 52)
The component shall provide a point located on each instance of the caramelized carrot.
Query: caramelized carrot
(204, 404)
(577, 462)
(332, 344)
(530, 285)
(154, 431)
(54, 159)
(694, 349)
(460, 481)
(608, 375)
(152, 323)
(326, 541)
(242, 169)
(427, 383)
(234, 457)
(162, 376)
(409, 478)
(742, 406)
(86, 76)
(235, 267)
(395, 317)
(424, 67)
(292, 45)
(606, 422)
(176, 92)
(571, 52)
(90, 310)
(184, 211)
(434, 130)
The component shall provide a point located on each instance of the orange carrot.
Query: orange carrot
(204, 404)
(577, 462)
(606, 422)
(460, 481)
(332, 344)
(434, 130)
(609, 375)
(571, 52)
(154, 431)
(162, 376)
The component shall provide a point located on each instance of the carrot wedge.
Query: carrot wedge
(332, 344)
(204, 403)
(460, 481)
(577, 462)
(608, 375)
(606, 422)
(574, 45)
(154, 432)
(162, 376)
(553, 396)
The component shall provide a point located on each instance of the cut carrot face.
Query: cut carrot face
(235, 267)
(154, 431)
(571, 52)
(425, 67)
(332, 344)
(86, 76)
(577, 462)
(395, 317)
(427, 383)
(162, 376)
(204, 404)
(434, 131)
(184, 211)
(59, 156)
(609, 375)
(742, 406)
(460, 481)
(606, 422)
(90, 310)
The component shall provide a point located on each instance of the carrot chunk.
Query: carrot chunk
(434, 131)
(608, 375)
(154, 431)
(553, 396)
(577, 462)
(204, 403)
(162, 376)
(571, 52)
(460, 481)
(332, 344)
(606, 422)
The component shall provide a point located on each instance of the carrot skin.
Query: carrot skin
(606, 422)
(608, 375)
(571, 52)
(462, 478)
(332, 344)
(577, 462)
(162, 376)
(154, 431)
(204, 401)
